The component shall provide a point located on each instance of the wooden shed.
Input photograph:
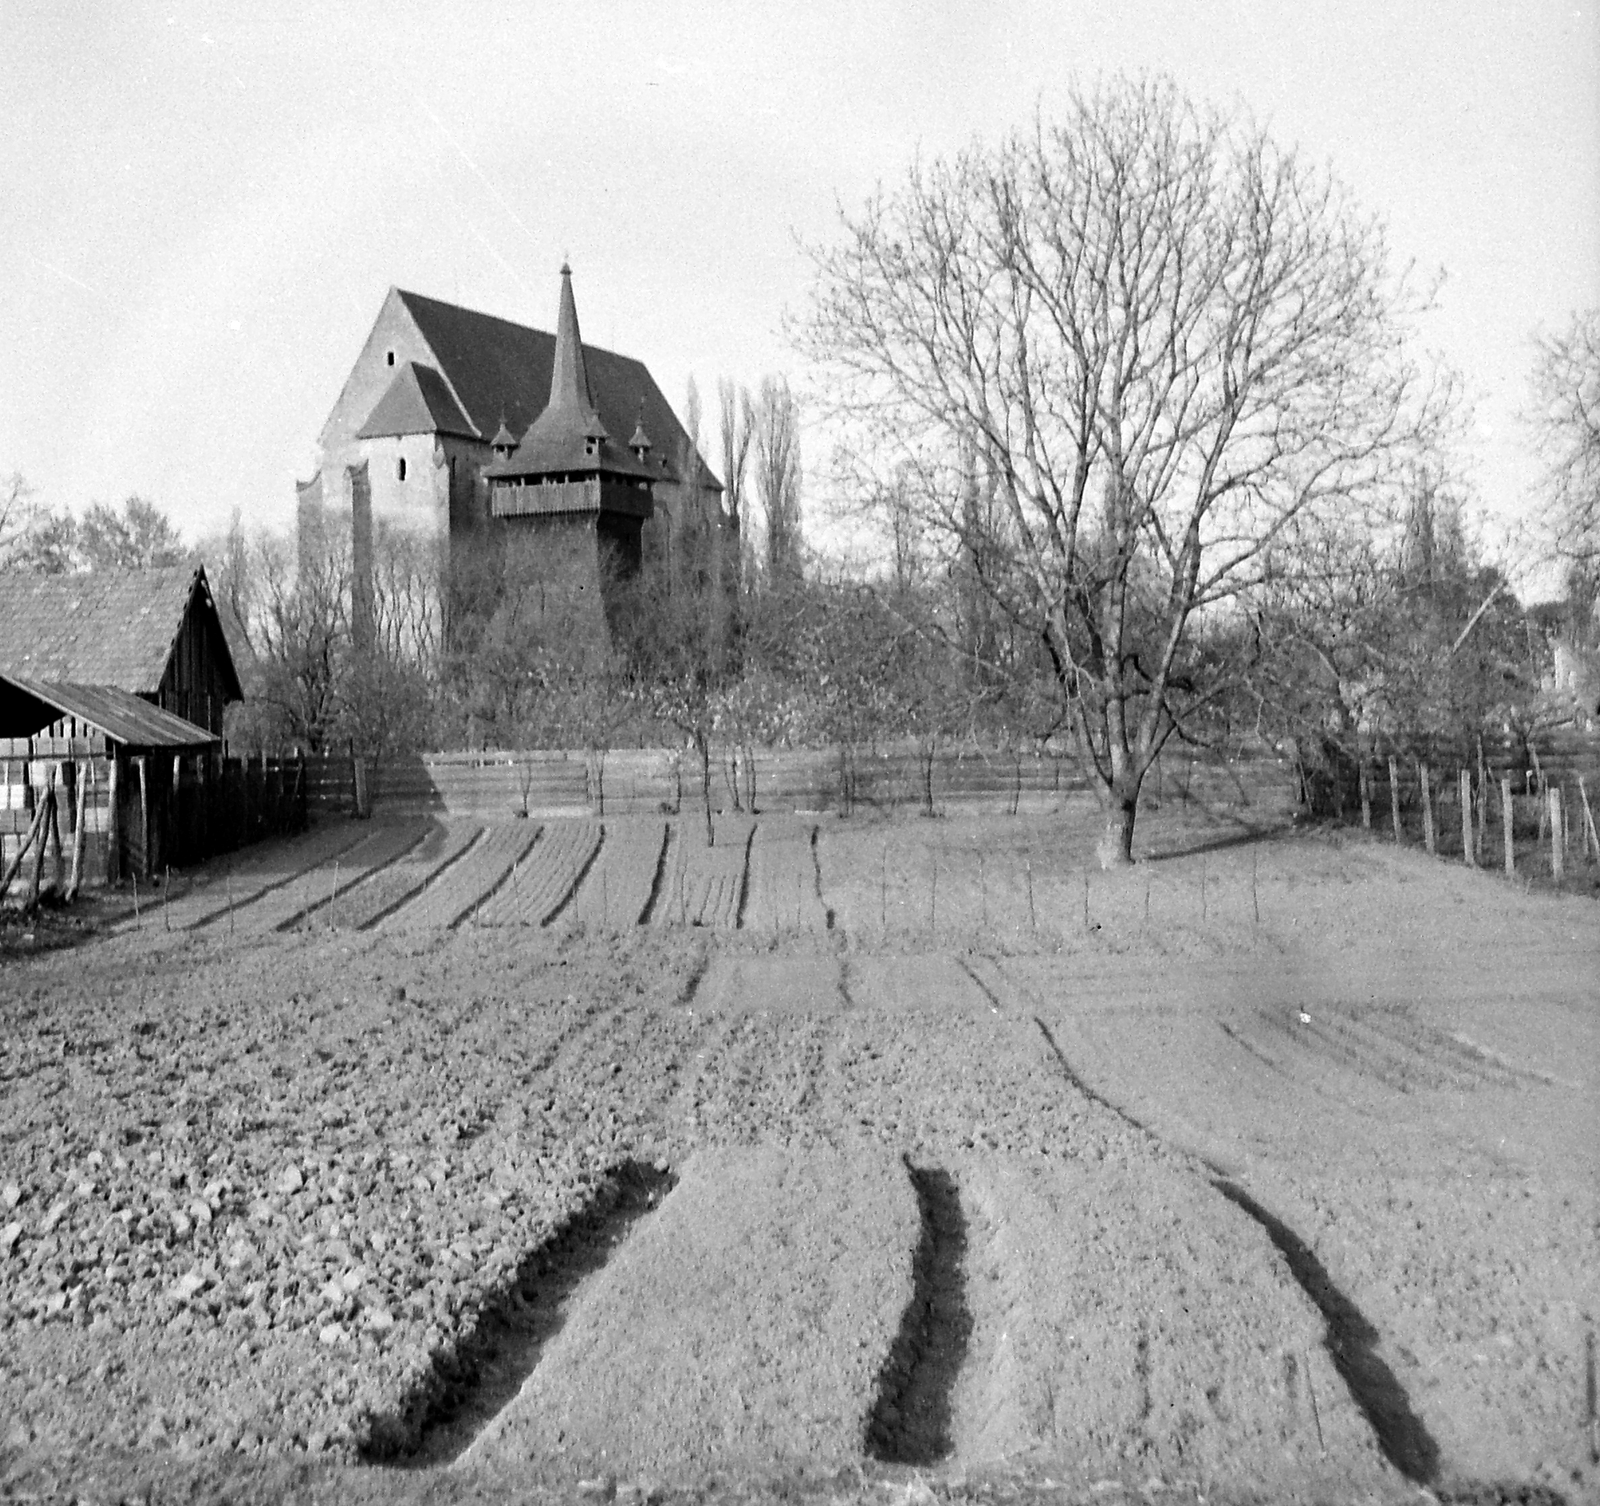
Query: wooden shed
(112, 691)
(153, 633)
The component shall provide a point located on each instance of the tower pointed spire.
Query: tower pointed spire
(569, 382)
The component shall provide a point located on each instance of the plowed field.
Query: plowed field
(457, 895)
(705, 884)
(1265, 1171)
(622, 881)
(785, 879)
(390, 888)
(545, 878)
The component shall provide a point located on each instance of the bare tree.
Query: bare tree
(1566, 422)
(301, 632)
(138, 535)
(777, 476)
(17, 514)
(1165, 339)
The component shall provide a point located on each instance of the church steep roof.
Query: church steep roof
(417, 401)
(501, 370)
(107, 627)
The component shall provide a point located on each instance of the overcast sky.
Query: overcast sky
(205, 204)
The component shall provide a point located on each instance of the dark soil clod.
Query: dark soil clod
(464, 1392)
(910, 1424)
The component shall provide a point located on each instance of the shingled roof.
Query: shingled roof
(417, 402)
(501, 371)
(108, 627)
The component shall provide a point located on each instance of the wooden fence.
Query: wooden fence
(141, 814)
(631, 781)
(1501, 803)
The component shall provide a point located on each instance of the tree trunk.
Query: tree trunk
(703, 747)
(1115, 849)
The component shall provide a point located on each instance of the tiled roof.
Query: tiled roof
(502, 370)
(417, 402)
(108, 627)
(118, 713)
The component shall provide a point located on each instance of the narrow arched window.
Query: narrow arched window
(400, 468)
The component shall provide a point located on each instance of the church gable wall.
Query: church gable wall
(393, 333)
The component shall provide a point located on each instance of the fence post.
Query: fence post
(1483, 798)
(78, 832)
(1591, 836)
(1468, 846)
(114, 819)
(1394, 796)
(1557, 845)
(143, 763)
(1508, 821)
(1427, 808)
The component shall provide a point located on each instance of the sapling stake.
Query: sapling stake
(1255, 904)
(1202, 886)
(166, 889)
(1033, 919)
(883, 888)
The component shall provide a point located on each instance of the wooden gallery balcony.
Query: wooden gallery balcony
(592, 494)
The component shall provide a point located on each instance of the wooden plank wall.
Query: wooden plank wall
(172, 810)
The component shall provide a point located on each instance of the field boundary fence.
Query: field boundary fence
(1526, 806)
(640, 781)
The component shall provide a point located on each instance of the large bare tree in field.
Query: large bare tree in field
(1164, 343)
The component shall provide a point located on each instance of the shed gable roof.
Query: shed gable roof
(502, 371)
(107, 627)
(29, 707)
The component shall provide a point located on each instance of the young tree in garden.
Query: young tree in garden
(673, 623)
(1165, 338)
(1566, 421)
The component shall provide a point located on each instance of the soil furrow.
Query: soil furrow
(910, 1421)
(571, 892)
(421, 880)
(1352, 1343)
(303, 853)
(329, 902)
(458, 1398)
